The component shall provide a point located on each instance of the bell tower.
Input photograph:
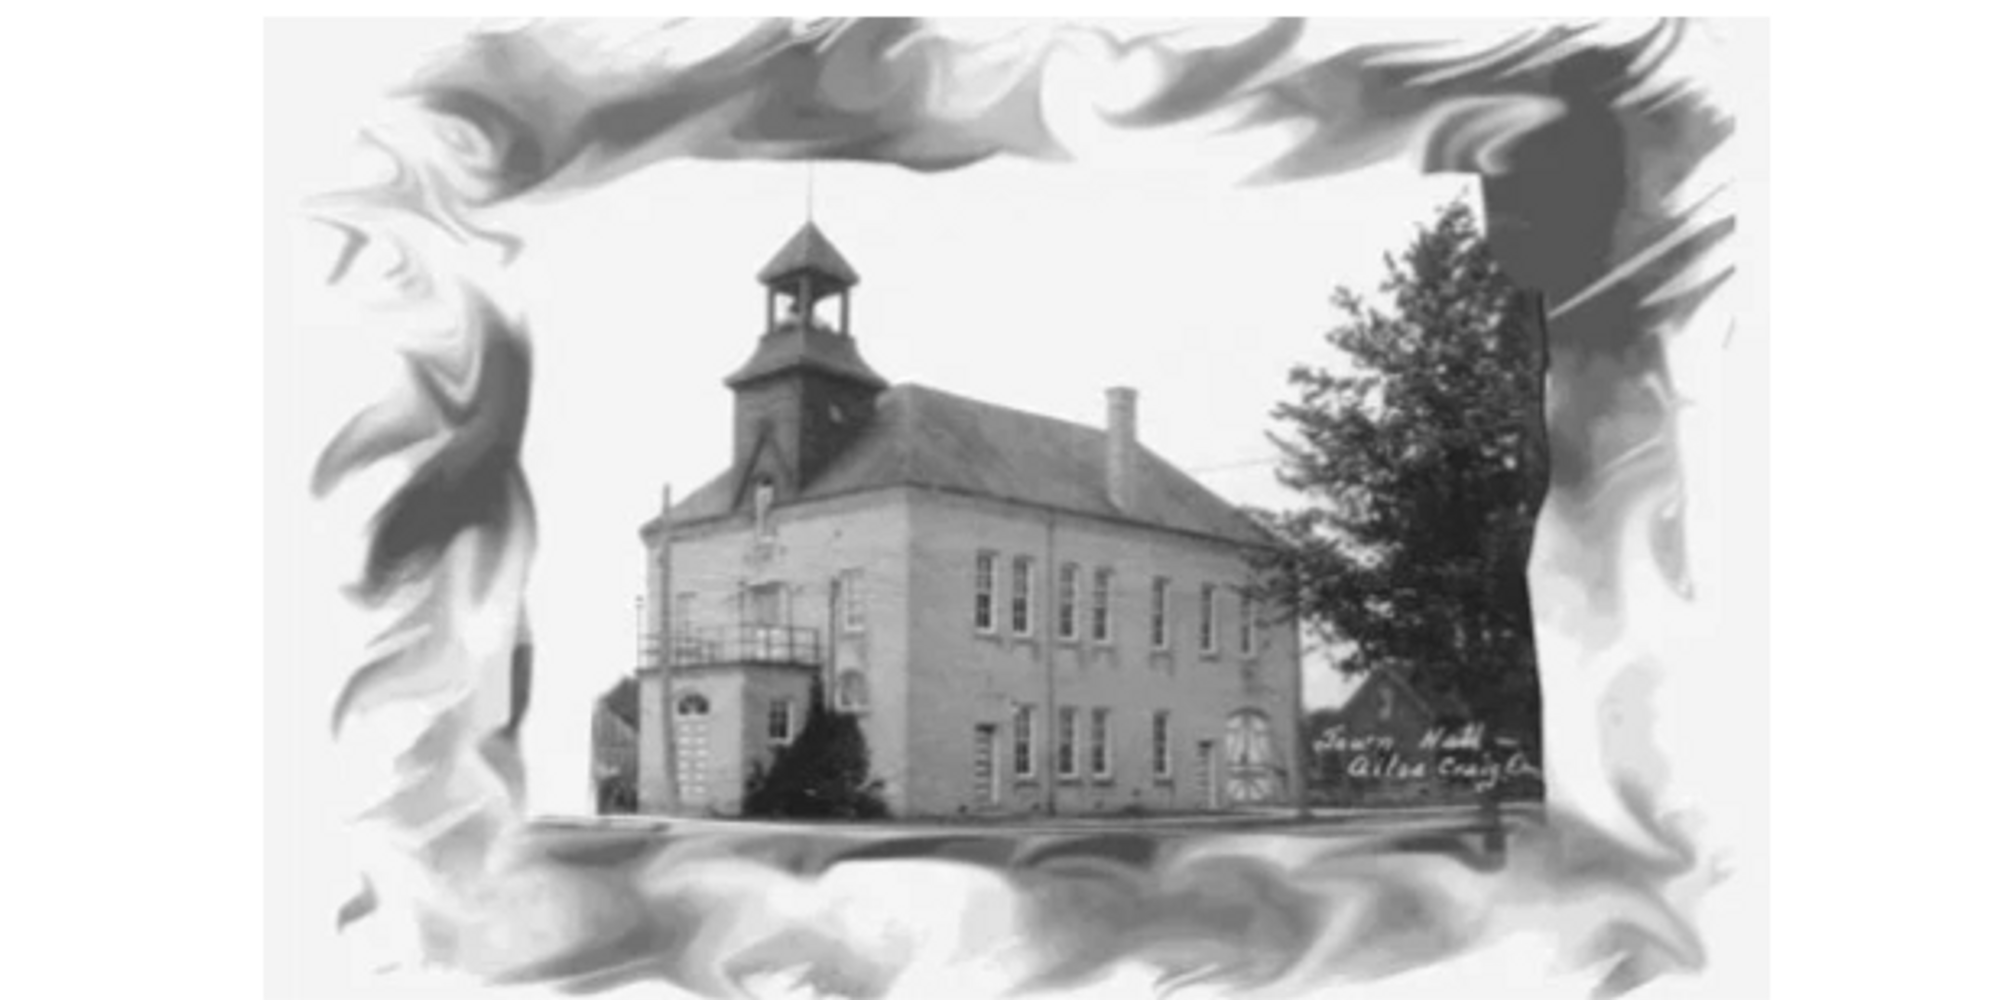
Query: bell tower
(805, 394)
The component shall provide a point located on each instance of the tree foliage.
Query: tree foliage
(821, 774)
(1418, 455)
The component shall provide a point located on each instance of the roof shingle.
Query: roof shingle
(926, 438)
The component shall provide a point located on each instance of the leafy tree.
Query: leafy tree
(1419, 455)
(821, 774)
(619, 791)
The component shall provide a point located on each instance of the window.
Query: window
(1024, 741)
(982, 592)
(1100, 605)
(1022, 604)
(780, 723)
(853, 602)
(1161, 631)
(683, 623)
(1209, 608)
(1067, 584)
(1066, 763)
(691, 705)
(1246, 623)
(1100, 742)
(766, 493)
(1163, 758)
(764, 604)
(850, 692)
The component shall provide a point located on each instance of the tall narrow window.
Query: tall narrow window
(1024, 741)
(853, 602)
(1067, 585)
(683, 623)
(1100, 742)
(982, 592)
(1023, 602)
(1246, 623)
(1066, 763)
(1210, 637)
(1163, 758)
(780, 721)
(1100, 605)
(1162, 628)
(765, 494)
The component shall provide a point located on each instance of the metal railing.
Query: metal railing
(770, 644)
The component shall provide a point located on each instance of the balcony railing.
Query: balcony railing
(767, 644)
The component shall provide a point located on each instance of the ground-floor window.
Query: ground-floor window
(1024, 741)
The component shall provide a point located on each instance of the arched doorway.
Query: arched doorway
(691, 750)
(1251, 757)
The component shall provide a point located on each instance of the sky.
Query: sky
(1034, 286)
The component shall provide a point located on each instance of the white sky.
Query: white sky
(1034, 286)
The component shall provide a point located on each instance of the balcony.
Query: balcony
(771, 645)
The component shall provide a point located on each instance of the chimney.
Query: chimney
(1121, 445)
(656, 738)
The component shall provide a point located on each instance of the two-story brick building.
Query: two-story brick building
(1027, 615)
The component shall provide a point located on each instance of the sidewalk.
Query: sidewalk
(1270, 819)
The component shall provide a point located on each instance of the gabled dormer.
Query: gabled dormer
(805, 394)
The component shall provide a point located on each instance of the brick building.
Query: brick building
(1027, 615)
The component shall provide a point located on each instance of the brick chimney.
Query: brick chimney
(1121, 445)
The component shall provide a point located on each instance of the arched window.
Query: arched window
(692, 704)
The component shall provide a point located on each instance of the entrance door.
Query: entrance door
(985, 777)
(1253, 770)
(691, 751)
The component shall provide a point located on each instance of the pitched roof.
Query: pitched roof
(623, 701)
(927, 438)
(796, 344)
(809, 250)
(1447, 706)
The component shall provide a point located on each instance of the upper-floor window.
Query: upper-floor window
(1021, 607)
(851, 691)
(1100, 605)
(764, 605)
(683, 611)
(983, 585)
(853, 602)
(765, 494)
(1067, 585)
(1210, 608)
(1162, 628)
(1246, 622)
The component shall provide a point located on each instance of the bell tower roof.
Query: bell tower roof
(810, 254)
